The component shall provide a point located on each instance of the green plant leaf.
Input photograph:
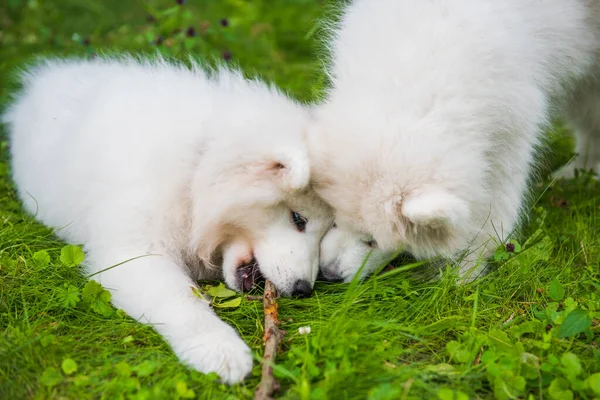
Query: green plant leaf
(557, 291)
(524, 328)
(48, 340)
(146, 368)
(384, 391)
(500, 342)
(51, 377)
(183, 391)
(105, 296)
(458, 351)
(593, 382)
(71, 255)
(69, 366)
(541, 251)
(91, 290)
(68, 296)
(530, 366)
(233, 303)
(102, 308)
(576, 322)
(507, 385)
(442, 369)
(123, 369)
(571, 363)
(81, 380)
(220, 291)
(41, 259)
(559, 390)
(500, 254)
(98, 298)
(449, 394)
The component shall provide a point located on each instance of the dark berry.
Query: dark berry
(180, 2)
(190, 32)
(224, 22)
(86, 42)
(548, 327)
(227, 56)
(510, 247)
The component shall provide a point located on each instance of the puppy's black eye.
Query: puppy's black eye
(299, 221)
(371, 243)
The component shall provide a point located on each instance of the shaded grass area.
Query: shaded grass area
(531, 327)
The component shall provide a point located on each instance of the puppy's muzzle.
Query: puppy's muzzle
(330, 273)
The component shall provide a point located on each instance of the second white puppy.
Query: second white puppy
(150, 159)
(426, 139)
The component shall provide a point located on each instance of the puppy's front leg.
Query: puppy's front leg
(157, 291)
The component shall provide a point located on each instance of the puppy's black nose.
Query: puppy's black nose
(302, 289)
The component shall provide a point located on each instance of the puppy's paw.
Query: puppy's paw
(221, 352)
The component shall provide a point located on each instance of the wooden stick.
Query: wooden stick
(273, 335)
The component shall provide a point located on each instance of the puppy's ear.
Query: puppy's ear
(290, 168)
(434, 208)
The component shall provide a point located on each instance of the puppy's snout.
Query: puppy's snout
(329, 273)
(302, 289)
(330, 277)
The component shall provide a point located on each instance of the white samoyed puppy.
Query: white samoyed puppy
(426, 138)
(205, 176)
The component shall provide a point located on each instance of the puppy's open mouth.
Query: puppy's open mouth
(249, 276)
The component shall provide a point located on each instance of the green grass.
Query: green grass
(528, 330)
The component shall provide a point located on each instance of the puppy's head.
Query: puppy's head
(387, 193)
(254, 210)
(270, 228)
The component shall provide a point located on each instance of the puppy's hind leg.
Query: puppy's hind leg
(583, 117)
(155, 290)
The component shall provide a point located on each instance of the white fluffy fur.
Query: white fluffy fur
(145, 158)
(426, 138)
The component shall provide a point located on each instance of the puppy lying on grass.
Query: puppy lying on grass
(426, 139)
(205, 176)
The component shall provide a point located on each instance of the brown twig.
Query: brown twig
(271, 340)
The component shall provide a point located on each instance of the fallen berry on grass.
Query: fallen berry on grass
(190, 32)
